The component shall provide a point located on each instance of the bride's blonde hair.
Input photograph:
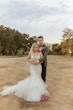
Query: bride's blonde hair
(32, 48)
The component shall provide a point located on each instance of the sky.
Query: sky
(38, 17)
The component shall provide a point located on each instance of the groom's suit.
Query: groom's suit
(44, 50)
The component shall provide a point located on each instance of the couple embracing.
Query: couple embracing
(33, 88)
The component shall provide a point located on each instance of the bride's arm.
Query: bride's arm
(36, 62)
(29, 58)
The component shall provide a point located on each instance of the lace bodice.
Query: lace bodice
(35, 57)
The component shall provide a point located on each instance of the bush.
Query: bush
(20, 54)
(72, 54)
(51, 52)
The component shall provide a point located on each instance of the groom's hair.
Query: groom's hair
(40, 37)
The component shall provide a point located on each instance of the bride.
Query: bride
(33, 87)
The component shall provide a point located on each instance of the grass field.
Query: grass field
(59, 80)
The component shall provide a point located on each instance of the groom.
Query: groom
(44, 49)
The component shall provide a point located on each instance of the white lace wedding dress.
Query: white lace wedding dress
(31, 88)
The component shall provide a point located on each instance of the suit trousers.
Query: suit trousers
(43, 74)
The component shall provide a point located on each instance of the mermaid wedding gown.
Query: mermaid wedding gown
(31, 88)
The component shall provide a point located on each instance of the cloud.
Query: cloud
(35, 17)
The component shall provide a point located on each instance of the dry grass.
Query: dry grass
(59, 81)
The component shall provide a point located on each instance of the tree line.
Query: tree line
(12, 41)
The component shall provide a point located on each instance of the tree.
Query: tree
(11, 41)
(67, 41)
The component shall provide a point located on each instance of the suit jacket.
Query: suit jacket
(44, 51)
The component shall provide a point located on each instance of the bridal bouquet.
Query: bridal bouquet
(44, 97)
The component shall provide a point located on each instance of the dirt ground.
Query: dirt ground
(59, 80)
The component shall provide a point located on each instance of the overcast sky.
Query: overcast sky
(38, 17)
